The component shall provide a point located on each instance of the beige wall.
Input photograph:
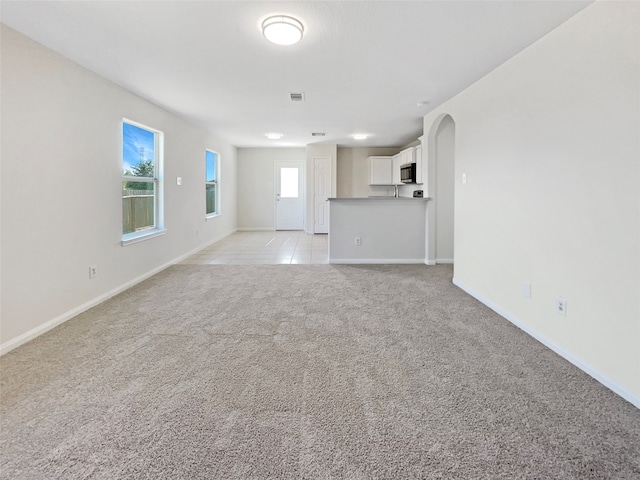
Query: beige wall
(61, 189)
(353, 171)
(256, 185)
(549, 144)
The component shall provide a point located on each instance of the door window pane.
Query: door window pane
(289, 183)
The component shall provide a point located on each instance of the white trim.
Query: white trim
(429, 262)
(256, 229)
(141, 237)
(377, 261)
(54, 322)
(218, 161)
(45, 327)
(211, 216)
(603, 379)
(444, 260)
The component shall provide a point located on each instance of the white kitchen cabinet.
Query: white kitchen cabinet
(418, 157)
(397, 161)
(407, 155)
(381, 171)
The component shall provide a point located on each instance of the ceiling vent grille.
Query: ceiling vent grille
(296, 97)
(318, 134)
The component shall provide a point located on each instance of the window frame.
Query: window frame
(158, 180)
(216, 183)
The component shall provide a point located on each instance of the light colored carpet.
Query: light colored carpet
(309, 371)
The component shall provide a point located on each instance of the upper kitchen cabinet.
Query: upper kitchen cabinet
(419, 169)
(407, 156)
(381, 171)
(397, 161)
(422, 167)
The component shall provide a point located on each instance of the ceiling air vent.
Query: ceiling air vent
(297, 97)
(318, 134)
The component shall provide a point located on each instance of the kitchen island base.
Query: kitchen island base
(377, 230)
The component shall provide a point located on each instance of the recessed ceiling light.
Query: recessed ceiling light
(282, 30)
(359, 136)
(273, 135)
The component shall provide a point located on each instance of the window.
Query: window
(211, 183)
(288, 182)
(141, 185)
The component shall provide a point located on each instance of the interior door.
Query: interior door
(289, 196)
(322, 190)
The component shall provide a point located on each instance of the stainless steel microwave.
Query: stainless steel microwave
(408, 173)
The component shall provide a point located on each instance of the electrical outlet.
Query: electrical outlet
(464, 178)
(526, 290)
(178, 180)
(357, 241)
(561, 306)
(93, 271)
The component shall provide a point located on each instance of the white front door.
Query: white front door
(322, 190)
(289, 195)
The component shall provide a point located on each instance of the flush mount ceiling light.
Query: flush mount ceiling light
(282, 30)
(359, 136)
(273, 135)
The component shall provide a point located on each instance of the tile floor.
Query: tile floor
(282, 247)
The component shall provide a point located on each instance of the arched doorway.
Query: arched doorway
(441, 189)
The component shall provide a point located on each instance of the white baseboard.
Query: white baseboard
(256, 229)
(444, 260)
(603, 379)
(376, 261)
(54, 322)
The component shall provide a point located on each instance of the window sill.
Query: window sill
(212, 215)
(132, 238)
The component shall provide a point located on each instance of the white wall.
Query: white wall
(61, 189)
(549, 143)
(256, 186)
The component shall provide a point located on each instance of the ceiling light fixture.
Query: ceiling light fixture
(359, 136)
(282, 30)
(273, 135)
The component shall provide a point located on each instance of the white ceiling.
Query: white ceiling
(362, 65)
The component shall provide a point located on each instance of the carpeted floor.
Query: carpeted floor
(304, 371)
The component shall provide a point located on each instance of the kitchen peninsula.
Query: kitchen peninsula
(377, 230)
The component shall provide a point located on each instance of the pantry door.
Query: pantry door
(322, 191)
(289, 195)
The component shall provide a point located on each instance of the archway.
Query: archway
(441, 189)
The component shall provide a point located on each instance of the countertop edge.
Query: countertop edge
(379, 198)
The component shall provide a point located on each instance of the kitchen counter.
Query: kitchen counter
(379, 197)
